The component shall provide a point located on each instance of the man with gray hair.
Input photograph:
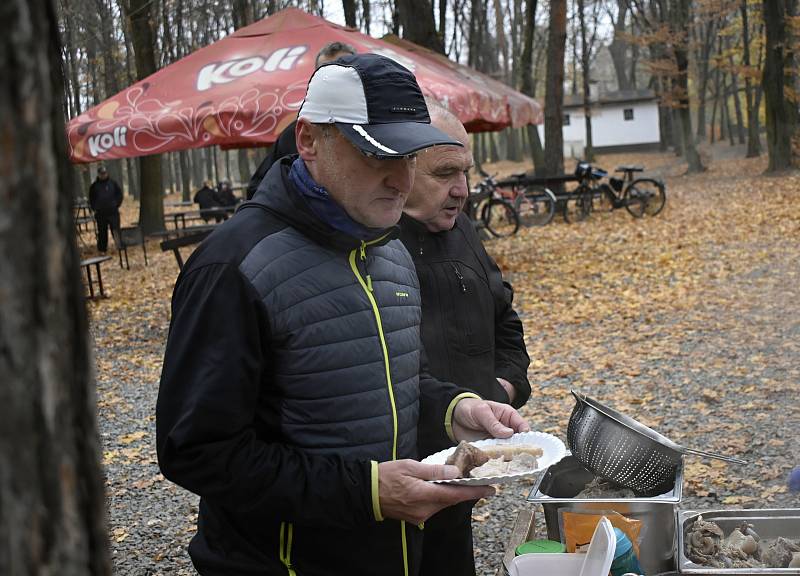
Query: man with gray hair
(293, 385)
(471, 333)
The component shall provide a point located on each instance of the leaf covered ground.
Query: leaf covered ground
(688, 322)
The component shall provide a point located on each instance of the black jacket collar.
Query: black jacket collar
(277, 195)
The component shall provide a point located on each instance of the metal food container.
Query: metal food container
(767, 522)
(559, 484)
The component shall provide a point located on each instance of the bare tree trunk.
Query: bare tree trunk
(588, 152)
(728, 116)
(209, 162)
(52, 517)
(723, 110)
(73, 89)
(151, 198)
(737, 103)
(442, 31)
(244, 165)
(186, 176)
(167, 170)
(753, 141)
(526, 66)
(198, 175)
(619, 47)
(573, 29)
(132, 170)
(717, 96)
(365, 15)
(704, 57)
(215, 163)
(349, 8)
(494, 153)
(108, 48)
(500, 34)
(416, 17)
(681, 19)
(633, 63)
(554, 96)
(782, 117)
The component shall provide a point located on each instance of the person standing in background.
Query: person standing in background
(105, 198)
(225, 195)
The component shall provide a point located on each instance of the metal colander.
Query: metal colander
(621, 449)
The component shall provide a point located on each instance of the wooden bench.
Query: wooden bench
(87, 265)
(130, 236)
(187, 238)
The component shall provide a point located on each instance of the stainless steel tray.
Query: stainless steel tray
(559, 484)
(768, 522)
(568, 477)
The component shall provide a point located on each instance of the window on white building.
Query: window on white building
(566, 119)
(627, 113)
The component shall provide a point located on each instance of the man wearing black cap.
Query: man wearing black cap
(105, 198)
(285, 144)
(292, 391)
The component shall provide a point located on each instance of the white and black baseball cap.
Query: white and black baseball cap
(375, 102)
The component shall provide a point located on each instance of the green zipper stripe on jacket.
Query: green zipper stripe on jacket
(285, 552)
(383, 347)
(377, 313)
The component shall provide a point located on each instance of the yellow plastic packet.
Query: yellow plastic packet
(577, 527)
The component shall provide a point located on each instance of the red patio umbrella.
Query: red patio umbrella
(245, 88)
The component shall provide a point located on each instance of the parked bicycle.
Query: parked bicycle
(535, 204)
(639, 196)
(489, 210)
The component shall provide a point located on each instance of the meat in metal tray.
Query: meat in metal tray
(767, 522)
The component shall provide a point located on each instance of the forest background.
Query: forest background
(721, 69)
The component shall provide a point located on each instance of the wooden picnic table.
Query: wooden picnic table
(176, 239)
(87, 265)
(527, 179)
(179, 218)
(82, 216)
(170, 233)
(178, 204)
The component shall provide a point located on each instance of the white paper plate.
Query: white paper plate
(553, 450)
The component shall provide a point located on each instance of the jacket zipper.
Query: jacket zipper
(367, 287)
(460, 277)
(285, 549)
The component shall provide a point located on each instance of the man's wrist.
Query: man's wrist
(375, 490)
(509, 388)
(448, 417)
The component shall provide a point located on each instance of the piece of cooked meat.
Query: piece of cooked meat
(466, 457)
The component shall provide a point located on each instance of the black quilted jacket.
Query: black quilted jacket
(291, 369)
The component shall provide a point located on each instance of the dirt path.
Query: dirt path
(689, 323)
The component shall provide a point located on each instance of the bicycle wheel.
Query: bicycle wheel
(535, 206)
(579, 204)
(500, 218)
(645, 197)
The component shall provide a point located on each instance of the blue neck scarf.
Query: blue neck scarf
(326, 208)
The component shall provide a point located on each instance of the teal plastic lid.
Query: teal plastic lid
(540, 547)
(623, 542)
